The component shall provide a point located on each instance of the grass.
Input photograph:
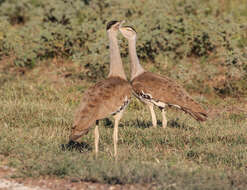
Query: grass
(36, 113)
(59, 54)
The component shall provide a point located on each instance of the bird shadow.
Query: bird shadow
(142, 124)
(179, 125)
(76, 146)
(107, 123)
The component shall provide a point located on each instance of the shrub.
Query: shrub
(35, 30)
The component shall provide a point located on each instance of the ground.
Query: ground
(37, 112)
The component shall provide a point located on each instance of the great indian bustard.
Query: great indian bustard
(108, 97)
(156, 90)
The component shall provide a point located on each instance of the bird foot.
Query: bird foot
(72, 145)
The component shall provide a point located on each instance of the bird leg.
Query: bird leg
(117, 118)
(151, 108)
(96, 136)
(164, 120)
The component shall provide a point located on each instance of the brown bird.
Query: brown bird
(157, 90)
(108, 97)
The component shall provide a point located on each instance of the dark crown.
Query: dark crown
(109, 24)
(131, 28)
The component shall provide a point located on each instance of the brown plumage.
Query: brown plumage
(105, 98)
(156, 90)
(163, 89)
(100, 101)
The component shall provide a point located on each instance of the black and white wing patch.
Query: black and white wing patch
(122, 107)
(145, 97)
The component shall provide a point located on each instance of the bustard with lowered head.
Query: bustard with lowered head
(108, 97)
(156, 90)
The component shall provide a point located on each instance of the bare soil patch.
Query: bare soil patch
(53, 183)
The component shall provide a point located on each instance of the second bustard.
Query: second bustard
(156, 90)
(107, 97)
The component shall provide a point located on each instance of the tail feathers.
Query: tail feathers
(199, 116)
(82, 124)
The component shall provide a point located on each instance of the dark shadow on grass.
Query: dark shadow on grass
(176, 124)
(107, 123)
(113, 180)
(76, 146)
(142, 124)
(159, 123)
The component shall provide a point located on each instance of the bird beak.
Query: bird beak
(121, 23)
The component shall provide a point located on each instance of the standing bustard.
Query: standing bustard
(108, 97)
(153, 89)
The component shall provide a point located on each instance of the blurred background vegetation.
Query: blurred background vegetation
(200, 43)
(51, 51)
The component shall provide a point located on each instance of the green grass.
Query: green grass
(200, 43)
(50, 53)
(36, 116)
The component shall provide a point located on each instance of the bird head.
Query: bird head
(127, 31)
(113, 26)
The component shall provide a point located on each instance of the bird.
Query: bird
(156, 90)
(106, 98)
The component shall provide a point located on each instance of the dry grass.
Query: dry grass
(36, 114)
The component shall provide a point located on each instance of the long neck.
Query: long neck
(116, 66)
(136, 68)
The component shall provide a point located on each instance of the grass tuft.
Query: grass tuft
(36, 120)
